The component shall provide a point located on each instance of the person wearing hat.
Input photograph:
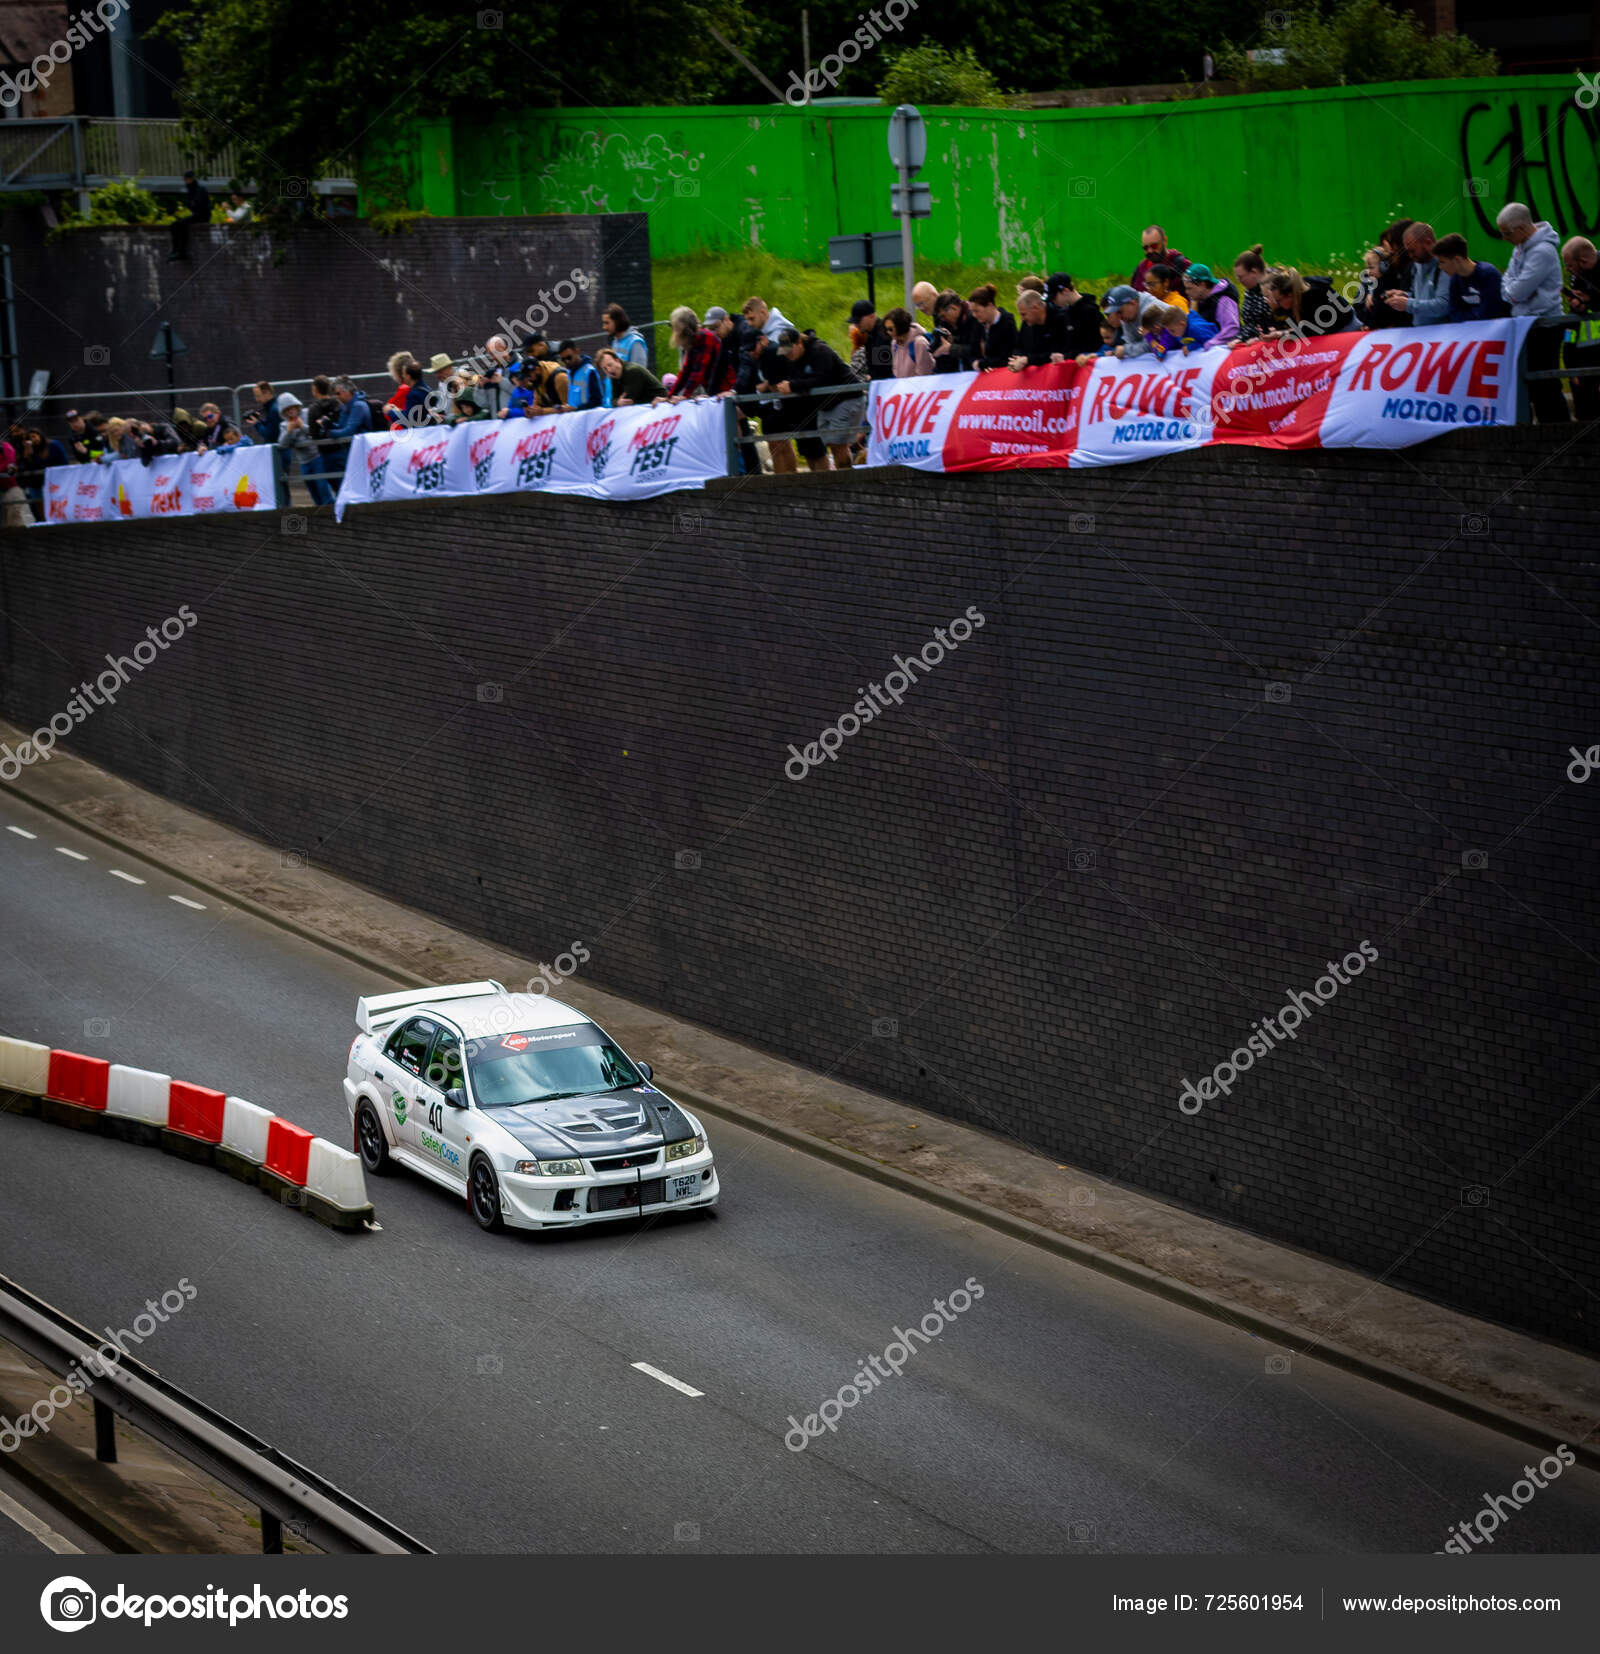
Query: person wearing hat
(1079, 313)
(1213, 301)
(295, 438)
(875, 340)
(1123, 306)
(465, 409)
(197, 206)
(446, 383)
(83, 436)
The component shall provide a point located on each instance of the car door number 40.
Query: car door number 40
(436, 1117)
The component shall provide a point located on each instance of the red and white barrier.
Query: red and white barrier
(24, 1066)
(244, 1130)
(195, 1121)
(137, 1094)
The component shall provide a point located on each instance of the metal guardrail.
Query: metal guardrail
(285, 1492)
(80, 152)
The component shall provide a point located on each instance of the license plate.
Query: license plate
(681, 1188)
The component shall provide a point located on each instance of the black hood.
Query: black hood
(606, 1123)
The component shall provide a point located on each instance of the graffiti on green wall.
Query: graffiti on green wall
(1313, 175)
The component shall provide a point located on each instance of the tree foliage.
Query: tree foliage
(295, 93)
(933, 75)
(1353, 43)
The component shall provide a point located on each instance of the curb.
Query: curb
(1295, 1340)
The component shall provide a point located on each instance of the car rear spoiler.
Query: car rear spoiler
(378, 1011)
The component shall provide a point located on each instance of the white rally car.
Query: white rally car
(521, 1105)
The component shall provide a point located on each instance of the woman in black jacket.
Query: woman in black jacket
(962, 342)
(999, 329)
(1394, 276)
(1306, 306)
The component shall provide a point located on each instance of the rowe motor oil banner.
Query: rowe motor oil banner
(174, 485)
(607, 453)
(1387, 389)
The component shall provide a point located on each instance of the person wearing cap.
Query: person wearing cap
(1124, 306)
(1079, 313)
(550, 385)
(1213, 301)
(728, 331)
(520, 405)
(825, 425)
(82, 442)
(875, 341)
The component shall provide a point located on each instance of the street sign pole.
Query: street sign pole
(905, 232)
(908, 149)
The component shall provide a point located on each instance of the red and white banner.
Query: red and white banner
(607, 453)
(173, 485)
(1387, 389)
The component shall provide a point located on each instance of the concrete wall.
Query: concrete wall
(1228, 717)
(335, 298)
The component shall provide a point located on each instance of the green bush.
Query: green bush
(125, 203)
(930, 74)
(1356, 43)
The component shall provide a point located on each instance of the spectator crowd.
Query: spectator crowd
(810, 402)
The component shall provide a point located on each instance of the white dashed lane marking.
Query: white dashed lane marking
(77, 855)
(666, 1378)
(117, 873)
(184, 901)
(21, 832)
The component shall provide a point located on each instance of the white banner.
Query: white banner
(172, 485)
(606, 453)
(1386, 389)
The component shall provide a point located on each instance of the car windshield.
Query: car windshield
(545, 1064)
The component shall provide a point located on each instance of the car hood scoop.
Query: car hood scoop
(610, 1123)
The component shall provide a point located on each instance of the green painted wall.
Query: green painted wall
(1314, 175)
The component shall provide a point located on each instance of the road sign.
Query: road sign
(919, 203)
(167, 344)
(908, 138)
(864, 252)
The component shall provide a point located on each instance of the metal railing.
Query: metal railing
(81, 152)
(285, 1492)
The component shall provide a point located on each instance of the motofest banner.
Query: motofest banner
(172, 485)
(607, 453)
(1385, 389)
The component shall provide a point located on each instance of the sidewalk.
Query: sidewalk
(1225, 1272)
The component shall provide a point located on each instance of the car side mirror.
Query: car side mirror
(456, 1097)
(645, 1069)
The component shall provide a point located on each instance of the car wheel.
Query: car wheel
(483, 1196)
(370, 1143)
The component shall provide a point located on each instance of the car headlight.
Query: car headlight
(549, 1168)
(682, 1151)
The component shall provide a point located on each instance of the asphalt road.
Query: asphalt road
(481, 1391)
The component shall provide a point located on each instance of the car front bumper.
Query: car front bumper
(564, 1202)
